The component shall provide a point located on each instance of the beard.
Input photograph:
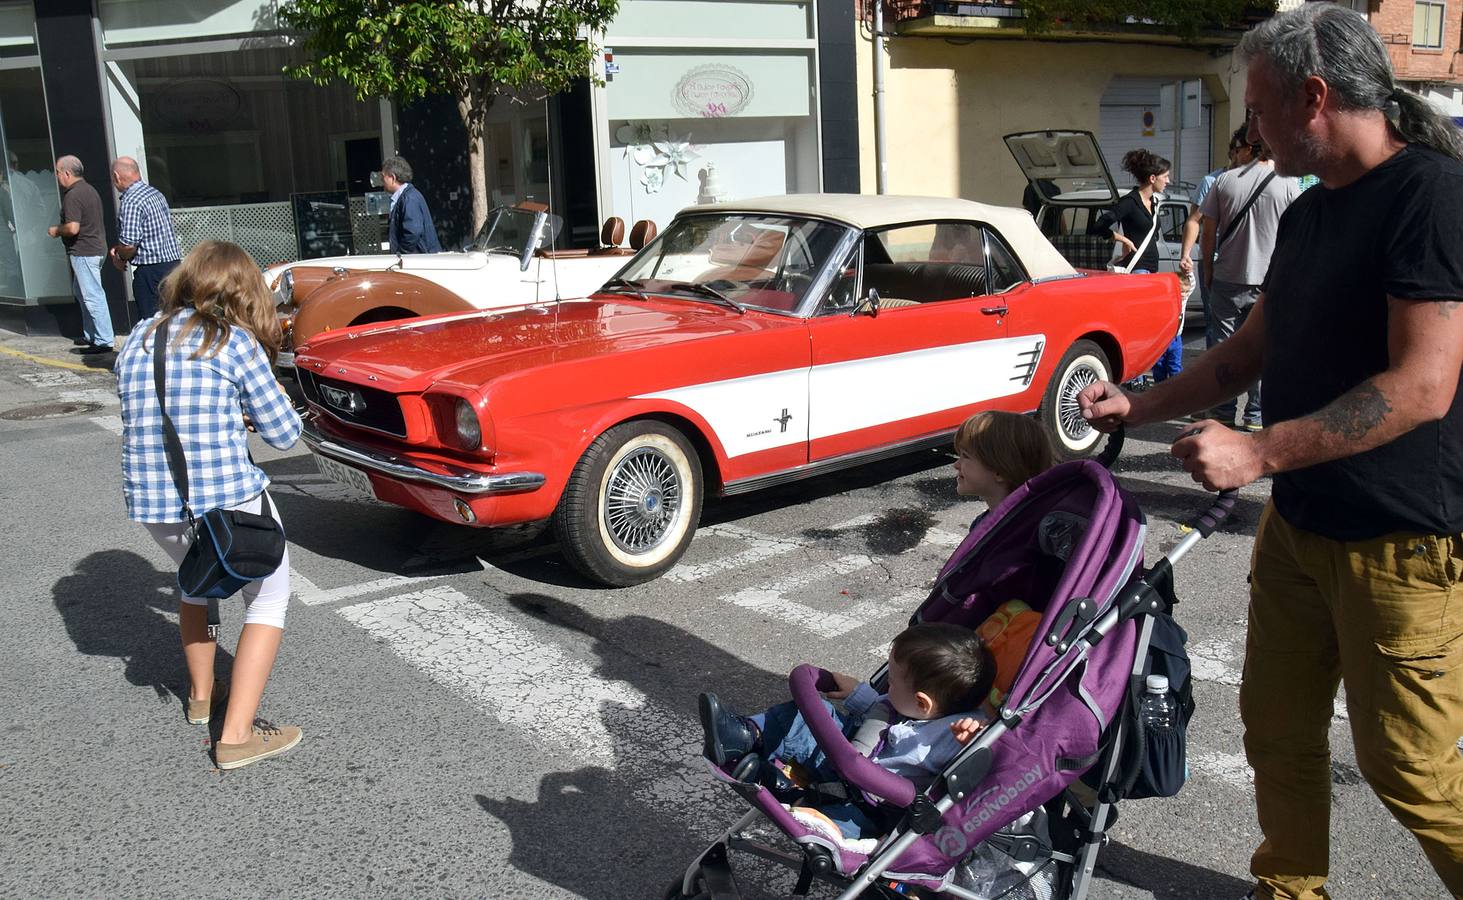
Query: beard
(1306, 155)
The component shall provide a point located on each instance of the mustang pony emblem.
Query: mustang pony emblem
(341, 399)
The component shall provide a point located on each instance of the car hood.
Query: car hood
(471, 349)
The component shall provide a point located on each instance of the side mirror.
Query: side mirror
(869, 306)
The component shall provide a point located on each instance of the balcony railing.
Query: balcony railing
(1007, 18)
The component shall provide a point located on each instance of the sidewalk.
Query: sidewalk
(56, 351)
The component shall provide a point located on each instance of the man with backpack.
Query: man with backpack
(1240, 216)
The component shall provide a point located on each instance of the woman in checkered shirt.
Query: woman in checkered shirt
(224, 337)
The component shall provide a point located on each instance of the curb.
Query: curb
(48, 361)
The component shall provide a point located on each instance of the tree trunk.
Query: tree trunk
(474, 112)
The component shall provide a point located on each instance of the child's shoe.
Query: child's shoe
(729, 737)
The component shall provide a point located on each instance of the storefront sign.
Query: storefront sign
(713, 91)
(198, 104)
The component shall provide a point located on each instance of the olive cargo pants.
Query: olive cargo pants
(1386, 617)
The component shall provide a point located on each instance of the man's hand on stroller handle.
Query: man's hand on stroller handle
(1104, 405)
(1218, 458)
(846, 685)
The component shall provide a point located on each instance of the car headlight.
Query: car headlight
(284, 289)
(285, 314)
(469, 429)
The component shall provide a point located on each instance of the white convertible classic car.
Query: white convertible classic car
(509, 263)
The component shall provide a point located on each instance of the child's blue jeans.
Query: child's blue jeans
(785, 735)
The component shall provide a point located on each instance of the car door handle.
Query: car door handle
(994, 310)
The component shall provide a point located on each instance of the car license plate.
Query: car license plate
(345, 475)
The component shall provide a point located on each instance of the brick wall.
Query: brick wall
(1393, 21)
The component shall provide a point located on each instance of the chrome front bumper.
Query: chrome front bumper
(463, 481)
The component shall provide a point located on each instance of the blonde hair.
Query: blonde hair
(1013, 446)
(226, 290)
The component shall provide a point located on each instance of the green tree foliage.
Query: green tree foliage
(472, 50)
(1185, 17)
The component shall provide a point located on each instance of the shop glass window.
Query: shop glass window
(691, 127)
(32, 264)
(147, 21)
(17, 28)
(230, 140)
(1427, 23)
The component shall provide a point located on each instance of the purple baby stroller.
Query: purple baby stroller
(1069, 543)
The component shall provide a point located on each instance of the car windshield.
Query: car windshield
(508, 229)
(751, 260)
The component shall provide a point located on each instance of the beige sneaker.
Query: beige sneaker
(266, 741)
(201, 711)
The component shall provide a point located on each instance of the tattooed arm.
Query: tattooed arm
(1425, 353)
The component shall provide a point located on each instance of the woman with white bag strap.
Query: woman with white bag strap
(219, 370)
(1134, 226)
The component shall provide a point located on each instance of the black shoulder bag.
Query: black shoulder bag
(230, 547)
(1243, 211)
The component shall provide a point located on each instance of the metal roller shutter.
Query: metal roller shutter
(1120, 128)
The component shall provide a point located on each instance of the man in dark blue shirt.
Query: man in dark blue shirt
(409, 227)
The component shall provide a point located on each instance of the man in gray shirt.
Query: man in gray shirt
(1241, 214)
(80, 230)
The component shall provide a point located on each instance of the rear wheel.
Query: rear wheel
(383, 314)
(1072, 437)
(631, 505)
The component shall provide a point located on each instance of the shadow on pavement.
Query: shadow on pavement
(629, 829)
(113, 605)
(1168, 879)
(1176, 504)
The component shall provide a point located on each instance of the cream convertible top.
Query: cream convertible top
(882, 210)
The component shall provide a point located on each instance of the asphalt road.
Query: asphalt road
(479, 722)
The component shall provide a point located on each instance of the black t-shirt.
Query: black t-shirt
(1137, 221)
(1398, 231)
(81, 204)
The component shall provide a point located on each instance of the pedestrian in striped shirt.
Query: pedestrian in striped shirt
(145, 236)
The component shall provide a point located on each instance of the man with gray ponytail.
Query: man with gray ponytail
(1358, 334)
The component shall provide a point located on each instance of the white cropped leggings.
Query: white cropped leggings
(264, 600)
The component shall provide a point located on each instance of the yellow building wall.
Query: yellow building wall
(947, 105)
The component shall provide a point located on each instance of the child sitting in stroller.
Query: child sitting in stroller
(942, 679)
(938, 675)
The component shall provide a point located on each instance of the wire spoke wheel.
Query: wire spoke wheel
(641, 500)
(1075, 429)
(632, 503)
(1082, 365)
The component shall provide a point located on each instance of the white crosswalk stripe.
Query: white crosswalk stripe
(548, 697)
(762, 547)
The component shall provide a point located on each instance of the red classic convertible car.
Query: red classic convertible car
(750, 344)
